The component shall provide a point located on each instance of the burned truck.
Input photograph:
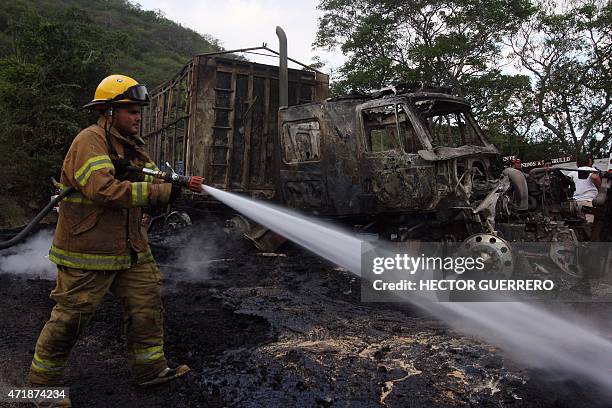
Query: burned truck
(372, 160)
(406, 162)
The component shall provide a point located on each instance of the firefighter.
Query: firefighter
(100, 245)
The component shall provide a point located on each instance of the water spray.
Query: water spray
(530, 334)
(330, 243)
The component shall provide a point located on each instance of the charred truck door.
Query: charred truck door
(394, 177)
(302, 179)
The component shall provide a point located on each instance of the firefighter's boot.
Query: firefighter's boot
(167, 374)
(63, 403)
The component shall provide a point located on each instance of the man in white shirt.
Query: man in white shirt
(586, 187)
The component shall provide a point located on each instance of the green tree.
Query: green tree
(50, 72)
(148, 46)
(456, 43)
(568, 54)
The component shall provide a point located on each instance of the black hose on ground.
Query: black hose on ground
(22, 234)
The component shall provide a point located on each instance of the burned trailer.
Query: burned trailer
(218, 118)
(402, 162)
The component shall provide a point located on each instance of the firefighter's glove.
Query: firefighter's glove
(121, 166)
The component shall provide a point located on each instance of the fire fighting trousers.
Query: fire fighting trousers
(78, 292)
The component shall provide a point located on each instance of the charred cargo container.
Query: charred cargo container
(218, 118)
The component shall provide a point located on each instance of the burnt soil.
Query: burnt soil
(284, 330)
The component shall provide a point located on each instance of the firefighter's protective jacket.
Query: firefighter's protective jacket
(99, 226)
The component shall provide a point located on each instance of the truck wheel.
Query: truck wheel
(177, 220)
(495, 252)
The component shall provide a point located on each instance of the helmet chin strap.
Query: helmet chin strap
(107, 126)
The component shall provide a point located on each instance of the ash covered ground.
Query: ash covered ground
(283, 330)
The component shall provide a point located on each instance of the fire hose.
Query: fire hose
(22, 234)
(193, 183)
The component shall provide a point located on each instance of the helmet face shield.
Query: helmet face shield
(135, 93)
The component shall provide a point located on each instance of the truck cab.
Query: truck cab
(409, 151)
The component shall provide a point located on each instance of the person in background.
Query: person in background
(516, 164)
(586, 187)
(547, 164)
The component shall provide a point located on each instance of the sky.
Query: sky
(249, 23)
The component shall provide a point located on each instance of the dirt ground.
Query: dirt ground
(271, 331)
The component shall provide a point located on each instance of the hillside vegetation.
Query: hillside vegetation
(147, 45)
(52, 56)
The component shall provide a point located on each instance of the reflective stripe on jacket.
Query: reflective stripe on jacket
(99, 225)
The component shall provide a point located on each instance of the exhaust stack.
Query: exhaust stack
(283, 73)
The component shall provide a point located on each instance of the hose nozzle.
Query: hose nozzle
(193, 183)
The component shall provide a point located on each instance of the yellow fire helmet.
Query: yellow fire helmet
(116, 89)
